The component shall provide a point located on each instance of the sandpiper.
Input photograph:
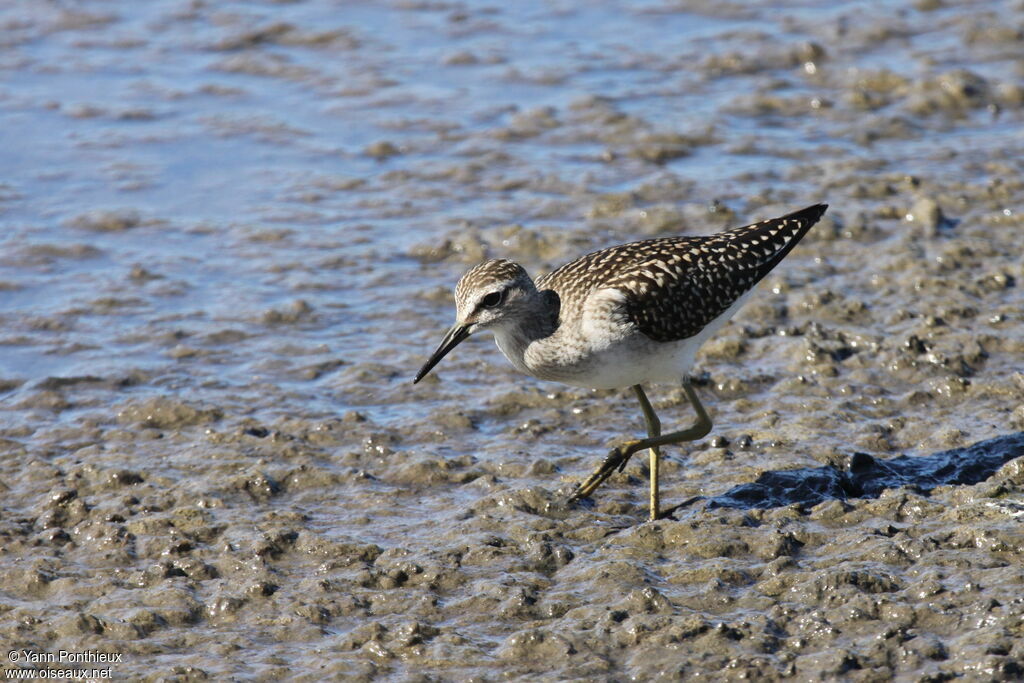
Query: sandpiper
(623, 317)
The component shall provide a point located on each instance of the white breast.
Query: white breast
(605, 351)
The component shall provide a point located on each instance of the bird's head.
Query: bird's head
(491, 294)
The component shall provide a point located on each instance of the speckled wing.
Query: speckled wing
(674, 287)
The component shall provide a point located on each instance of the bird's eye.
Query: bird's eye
(492, 299)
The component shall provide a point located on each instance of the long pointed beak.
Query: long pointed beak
(452, 339)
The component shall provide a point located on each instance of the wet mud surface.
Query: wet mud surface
(867, 477)
(229, 237)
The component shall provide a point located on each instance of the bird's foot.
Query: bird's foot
(615, 460)
(667, 514)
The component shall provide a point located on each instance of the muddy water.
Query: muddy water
(229, 236)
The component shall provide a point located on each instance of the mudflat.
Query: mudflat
(228, 238)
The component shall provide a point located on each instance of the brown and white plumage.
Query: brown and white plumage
(628, 314)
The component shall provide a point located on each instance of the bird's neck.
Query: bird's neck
(538, 321)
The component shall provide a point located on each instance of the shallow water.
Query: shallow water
(228, 235)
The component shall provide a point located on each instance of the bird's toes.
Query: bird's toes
(579, 491)
(577, 496)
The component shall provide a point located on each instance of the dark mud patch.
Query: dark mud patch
(867, 477)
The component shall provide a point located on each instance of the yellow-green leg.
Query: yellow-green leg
(653, 430)
(617, 459)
